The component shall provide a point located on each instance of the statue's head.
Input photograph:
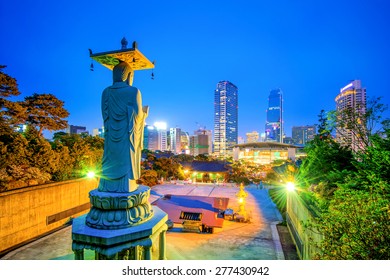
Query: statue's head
(122, 72)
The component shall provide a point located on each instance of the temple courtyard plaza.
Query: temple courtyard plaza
(257, 240)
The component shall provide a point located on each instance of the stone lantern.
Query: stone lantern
(241, 196)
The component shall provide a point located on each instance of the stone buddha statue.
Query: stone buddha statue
(124, 119)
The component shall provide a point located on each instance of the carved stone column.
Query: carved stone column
(162, 246)
(148, 252)
(79, 254)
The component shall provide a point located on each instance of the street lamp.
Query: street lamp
(290, 186)
(91, 174)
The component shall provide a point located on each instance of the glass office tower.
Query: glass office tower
(274, 122)
(225, 118)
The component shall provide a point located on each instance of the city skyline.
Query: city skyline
(308, 50)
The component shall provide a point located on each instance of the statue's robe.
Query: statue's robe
(123, 137)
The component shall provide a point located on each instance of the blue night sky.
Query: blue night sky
(309, 49)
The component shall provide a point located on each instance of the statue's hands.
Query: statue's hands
(145, 109)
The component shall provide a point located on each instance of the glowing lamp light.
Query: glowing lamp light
(241, 200)
(290, 186)
(91, 174)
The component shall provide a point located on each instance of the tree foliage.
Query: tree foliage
(27, 158)
(356, 226)
(326, 164)
(148, 178)
(352, 188)
(249, 172)
(8, 85)
(45, 111)
(8, 108)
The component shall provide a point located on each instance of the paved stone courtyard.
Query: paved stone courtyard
(257, 240)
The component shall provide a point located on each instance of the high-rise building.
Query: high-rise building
(98, 132)
(252, 137)
(184, 142)
(352, 97)
(151, 138)
(162, 135)
(288, 140)
(303, 134)
(225, 118)
(274, 122)
(240, 140)
(155, 137)
(209, 134)
(75, 129)
(175, 140)
(199, 144)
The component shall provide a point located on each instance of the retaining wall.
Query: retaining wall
(297, 213)
(33, 211)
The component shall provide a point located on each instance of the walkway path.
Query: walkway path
(257, 240)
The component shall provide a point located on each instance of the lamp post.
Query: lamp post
(290, 187)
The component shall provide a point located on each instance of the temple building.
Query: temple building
(264, 152)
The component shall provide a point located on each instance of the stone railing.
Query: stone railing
(30, 212)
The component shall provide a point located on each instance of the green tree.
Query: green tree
(148, 178)
(26, 160)
(327, 163)
(9, 110)
(355, 218)
(168, 168)
(82, 154)
(45, 111)
(202, 157)
(183, 158)
(40, 153)
(8, 85)
(356, 226)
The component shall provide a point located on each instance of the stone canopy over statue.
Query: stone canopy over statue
(124, 119)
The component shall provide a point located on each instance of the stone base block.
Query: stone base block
(110, 243)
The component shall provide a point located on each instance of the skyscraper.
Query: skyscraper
(162, 135)
(274, 122)
(303, 134)
(351, 100)
(199, 144)
(209, 133)
(151, 140)
(225, 118)
(155, 136)
(175, 140)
